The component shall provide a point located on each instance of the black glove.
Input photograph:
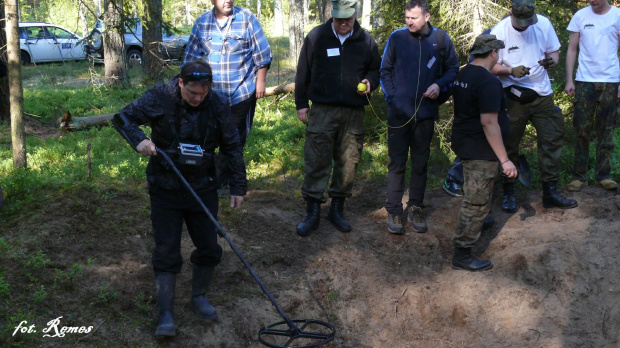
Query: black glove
(547, 63)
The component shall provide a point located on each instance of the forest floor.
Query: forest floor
(553, 283)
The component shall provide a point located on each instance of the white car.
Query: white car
(173, 47)
(44, 42)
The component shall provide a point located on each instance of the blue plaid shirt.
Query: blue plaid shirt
(235, 52)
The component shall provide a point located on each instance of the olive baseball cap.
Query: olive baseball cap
(485, 43)
(343, 8)
(524, 12)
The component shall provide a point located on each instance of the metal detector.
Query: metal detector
(287, 333)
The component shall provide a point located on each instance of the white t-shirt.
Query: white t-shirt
(598, 44)
(527, 48)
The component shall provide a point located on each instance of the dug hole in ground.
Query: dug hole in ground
(555, 281)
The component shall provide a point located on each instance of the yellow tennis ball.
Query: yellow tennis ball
(361, 87)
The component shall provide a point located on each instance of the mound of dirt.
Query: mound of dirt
(553, 283)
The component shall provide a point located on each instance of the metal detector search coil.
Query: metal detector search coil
(191, 154)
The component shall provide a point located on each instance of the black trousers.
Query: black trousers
(168, 211)
(243, 116)
(414, 137)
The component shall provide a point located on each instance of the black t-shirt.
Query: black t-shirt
(476, 91)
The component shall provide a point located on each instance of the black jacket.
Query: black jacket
(333, 78)
(173, 121)
(407, 53)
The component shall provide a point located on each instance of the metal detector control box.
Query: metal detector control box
(191, 155)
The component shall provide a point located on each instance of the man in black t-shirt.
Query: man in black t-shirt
(480, 125)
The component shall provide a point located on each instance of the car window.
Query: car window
(23, 33)
(60, 33)
(34, 33)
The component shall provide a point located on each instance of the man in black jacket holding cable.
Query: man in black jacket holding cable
(184, 113)
(418, 67)
(335, 58)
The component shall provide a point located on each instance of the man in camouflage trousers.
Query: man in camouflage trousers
(594, 33)
(334, 59)
(480, 125)
(532, 48)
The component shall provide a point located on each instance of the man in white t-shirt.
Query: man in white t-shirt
(594, 32)
(532, 48)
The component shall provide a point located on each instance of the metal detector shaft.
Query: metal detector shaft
(222, 233)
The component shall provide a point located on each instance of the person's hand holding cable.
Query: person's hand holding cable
(432, 92)
(366, 90)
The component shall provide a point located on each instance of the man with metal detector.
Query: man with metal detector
(532, 48)
(189, 122)
(338, 67)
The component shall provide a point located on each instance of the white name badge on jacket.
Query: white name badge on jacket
(332, 52)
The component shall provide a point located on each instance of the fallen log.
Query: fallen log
(68, 122)
(271, 91)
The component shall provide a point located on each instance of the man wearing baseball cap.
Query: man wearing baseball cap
(532, 48)
(478, 132)
(335, 58)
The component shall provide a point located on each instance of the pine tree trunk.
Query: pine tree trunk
(295, 27)
(114, 45)
(278, 25)
(319, 7)
(5, 108)
(152, 62)
(327, 10)
(18, 135)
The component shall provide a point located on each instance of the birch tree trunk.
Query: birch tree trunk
(98, 8)
(278, 25)
(295, 27)
(18, 136)
(83, 19)
(366, 10)
(114, 45)
(188, 14)
(258, 9)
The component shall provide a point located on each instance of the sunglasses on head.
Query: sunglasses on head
(197, 76)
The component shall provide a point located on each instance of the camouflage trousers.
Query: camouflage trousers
(596, 107)
(334, 133)
(479, 180)
(548, 121)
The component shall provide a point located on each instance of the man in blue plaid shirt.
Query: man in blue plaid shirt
(232, 41)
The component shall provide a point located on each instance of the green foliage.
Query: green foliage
(104, 296)
(36, 261)
(5, 287)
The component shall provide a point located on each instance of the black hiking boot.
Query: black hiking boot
(165, 283)
(488, 222)
(552, 199)
(335, 215)
(509, 204)
(464, 260)
(199, 304)
(312, 218)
